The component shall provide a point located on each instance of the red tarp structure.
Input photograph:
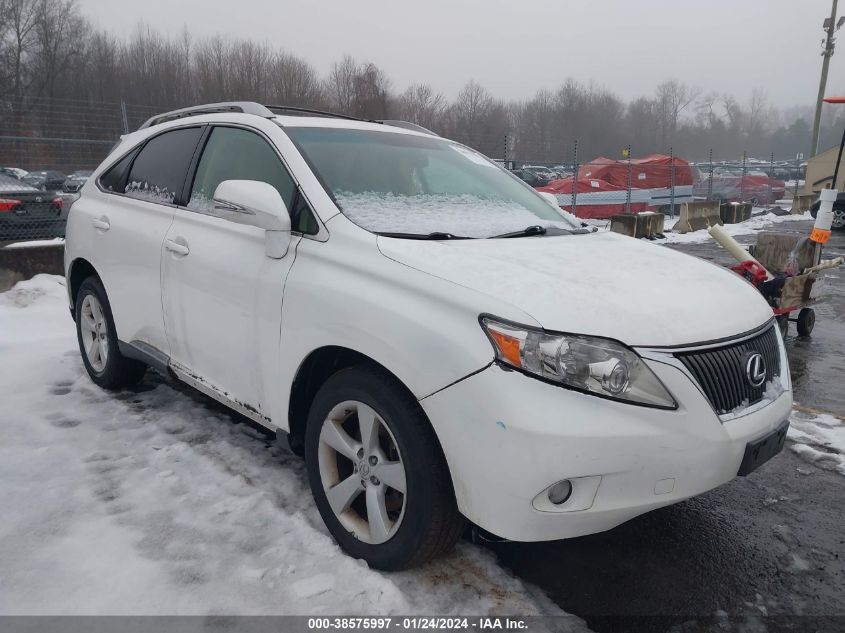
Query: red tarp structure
(650, 172)
(591, 206)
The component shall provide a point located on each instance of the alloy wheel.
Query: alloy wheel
(94, 329)
(362, 472)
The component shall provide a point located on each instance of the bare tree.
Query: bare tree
(420, 104)
(469, 112)
(673, 97)
(340, 84)
(295, 82)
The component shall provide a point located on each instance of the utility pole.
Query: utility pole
(830, 27)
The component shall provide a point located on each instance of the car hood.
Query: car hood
(602, 284)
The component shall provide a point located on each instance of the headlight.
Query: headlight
(594, 365)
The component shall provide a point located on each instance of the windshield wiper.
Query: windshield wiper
(436, 235)
(526, 232)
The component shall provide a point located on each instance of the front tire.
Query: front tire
(377, 472)
(97, 338)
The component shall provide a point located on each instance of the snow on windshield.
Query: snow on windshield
(465, 215)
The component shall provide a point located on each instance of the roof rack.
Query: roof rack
(334, 115)
(407, 125)
(246, 107)
(267, 111)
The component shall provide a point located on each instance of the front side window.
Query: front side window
(158, 173)
(388, 182)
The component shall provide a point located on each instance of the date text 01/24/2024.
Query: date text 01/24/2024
(418, 623)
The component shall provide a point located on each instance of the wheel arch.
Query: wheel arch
(313, 371)
(78, 271)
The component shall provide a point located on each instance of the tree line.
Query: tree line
(57, 70)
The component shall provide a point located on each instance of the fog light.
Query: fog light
(560, 492)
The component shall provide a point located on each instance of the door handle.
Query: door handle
(176, 247)
(101, 223)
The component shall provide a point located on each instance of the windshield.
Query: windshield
(401, 183)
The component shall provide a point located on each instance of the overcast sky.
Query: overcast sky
(514, 48)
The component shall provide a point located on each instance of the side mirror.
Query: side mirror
(258, 204)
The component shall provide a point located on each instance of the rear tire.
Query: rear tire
(369, 516)
(806, 321)
(97, 338)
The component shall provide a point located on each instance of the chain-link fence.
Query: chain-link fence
(601, 187)
(48, 149)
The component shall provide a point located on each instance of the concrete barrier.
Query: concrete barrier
(23, 262)
(638, 225)
(735, 212)
(698, 215)
(802, 203)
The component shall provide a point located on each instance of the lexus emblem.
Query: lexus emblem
(755, 369)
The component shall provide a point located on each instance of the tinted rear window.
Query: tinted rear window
(159, 171)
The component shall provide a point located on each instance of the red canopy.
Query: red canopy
(649, 172)
(593, 206)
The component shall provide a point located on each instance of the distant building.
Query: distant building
(820, 172)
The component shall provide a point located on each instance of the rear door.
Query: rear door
(126, 229)
(222, 295)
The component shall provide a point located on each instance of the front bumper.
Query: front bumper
(508, 437)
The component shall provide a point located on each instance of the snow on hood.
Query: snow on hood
(466, 215)
(602, 284)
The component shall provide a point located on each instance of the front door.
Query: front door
(222, 296)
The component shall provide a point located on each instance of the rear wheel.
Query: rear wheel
(97, 337)
(806, 321)
(838, 217)
(377, 472)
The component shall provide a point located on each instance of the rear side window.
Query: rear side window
(159, 171)
(237, 154)
(115, 178)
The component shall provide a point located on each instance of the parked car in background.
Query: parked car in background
(15, 172)
(439, 340)
(531, 177)
(755, 187)
(28, 213)
(46, 180)
(74, 182)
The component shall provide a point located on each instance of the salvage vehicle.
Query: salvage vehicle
(440, 341)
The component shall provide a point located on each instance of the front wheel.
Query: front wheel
(377, 472)
(97, 337)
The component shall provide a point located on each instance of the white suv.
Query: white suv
(439, 340)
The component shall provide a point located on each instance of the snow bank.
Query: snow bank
(818, 438)
(52, 242)
(756, 223)
(158, 501)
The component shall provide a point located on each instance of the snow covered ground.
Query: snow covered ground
(156, 501)
(819, 438)
(760, 220)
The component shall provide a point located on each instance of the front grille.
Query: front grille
(720, 371)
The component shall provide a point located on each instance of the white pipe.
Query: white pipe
(734, 248)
